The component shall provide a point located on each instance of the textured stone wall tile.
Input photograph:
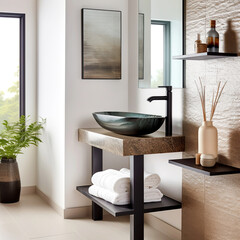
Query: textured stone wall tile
(193, 185)
(227, 115)
(221, 211)
(191, 144)
(229, 68)
(194, 71)
(220, 7)
(221, 68)
(193, 28)
(220, 225)
(193, 219)
(235, 25)
(223, 192)
(195, 10)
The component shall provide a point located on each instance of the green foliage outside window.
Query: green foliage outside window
(9, 107)
(157, 79)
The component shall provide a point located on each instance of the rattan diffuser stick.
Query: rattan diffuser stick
(215, 98)
(215, 101)
(202, 98)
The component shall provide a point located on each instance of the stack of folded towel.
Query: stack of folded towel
(114, 186)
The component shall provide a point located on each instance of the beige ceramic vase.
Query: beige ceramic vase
(208, 139)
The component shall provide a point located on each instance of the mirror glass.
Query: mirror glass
(160, 37)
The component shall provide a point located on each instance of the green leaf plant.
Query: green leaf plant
(18, 135)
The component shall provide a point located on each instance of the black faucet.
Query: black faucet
(168, 98)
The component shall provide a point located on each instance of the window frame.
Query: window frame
(21, 17)
(167, 49)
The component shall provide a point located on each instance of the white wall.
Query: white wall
(171, 177)
(51, 98)
(83, 97)
(27, 161)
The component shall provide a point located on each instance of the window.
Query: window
(12, 66)
(160, 53)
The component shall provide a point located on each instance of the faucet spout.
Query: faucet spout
(168, 99)
(153, 98)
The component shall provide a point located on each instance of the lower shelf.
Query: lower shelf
(166, 204)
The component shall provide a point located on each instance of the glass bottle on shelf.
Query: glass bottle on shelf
(198, 41)
(213, 38)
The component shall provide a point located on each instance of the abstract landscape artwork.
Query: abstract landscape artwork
(101, 44)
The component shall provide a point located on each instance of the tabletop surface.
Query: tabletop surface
(123, 145)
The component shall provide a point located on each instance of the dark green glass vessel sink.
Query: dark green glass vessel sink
(128, 123)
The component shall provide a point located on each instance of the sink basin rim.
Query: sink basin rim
(129, 115)
(129, 123)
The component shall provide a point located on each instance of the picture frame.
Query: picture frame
(101, 44)
(140, 46)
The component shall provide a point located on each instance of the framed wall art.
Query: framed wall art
(101, 44)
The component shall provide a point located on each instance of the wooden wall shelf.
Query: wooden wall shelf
(166, 204)
(205, 56)
(218, 169)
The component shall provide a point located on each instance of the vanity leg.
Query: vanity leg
(137, 197)
(97, 211)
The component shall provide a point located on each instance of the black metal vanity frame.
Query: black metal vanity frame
(137, 208)
(136, 178)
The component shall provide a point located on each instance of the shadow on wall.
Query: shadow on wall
(191, 138)
(234, 149)
(230, 39)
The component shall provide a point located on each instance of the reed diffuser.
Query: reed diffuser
(207, 133)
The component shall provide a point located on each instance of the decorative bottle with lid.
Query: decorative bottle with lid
(213, 38)
(198, 41)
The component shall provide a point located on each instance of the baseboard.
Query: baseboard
(51, 203)
(77, 212)
(68, 213)
(85, 212)
(28, 190)
(156, 223)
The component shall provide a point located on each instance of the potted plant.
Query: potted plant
(14, 137)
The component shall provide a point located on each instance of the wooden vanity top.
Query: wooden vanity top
(127, 145)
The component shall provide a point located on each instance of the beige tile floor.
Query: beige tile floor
(32, 218)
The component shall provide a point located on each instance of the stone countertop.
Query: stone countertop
(130, 145)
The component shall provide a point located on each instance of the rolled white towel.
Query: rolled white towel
(110, 196)
(112, 180)
(151, 180)
(150, 195)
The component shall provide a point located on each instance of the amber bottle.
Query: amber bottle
(213, 38)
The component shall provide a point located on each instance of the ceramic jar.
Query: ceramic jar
(207, 160)
(10, 185)
(208, 139)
